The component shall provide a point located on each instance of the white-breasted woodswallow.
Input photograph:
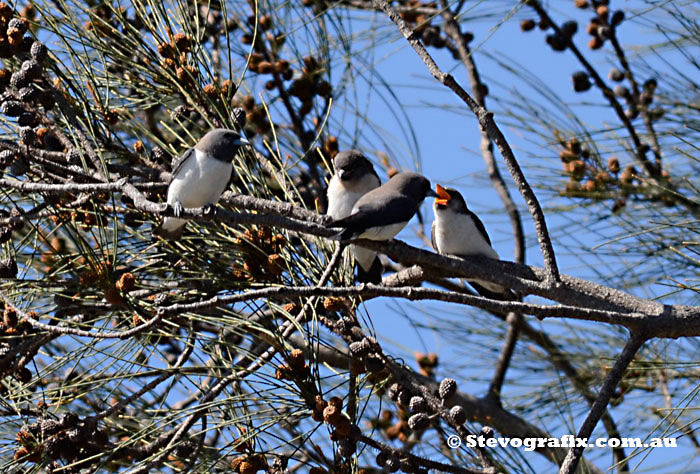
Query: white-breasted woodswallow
(383, 212)
(200, 176)
(353, 178)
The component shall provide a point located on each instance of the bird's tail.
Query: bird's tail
(171, 228)
(374, 275)
(369, 267)
(494, 292)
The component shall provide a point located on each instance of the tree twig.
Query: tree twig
(487, 123)
(606, 391)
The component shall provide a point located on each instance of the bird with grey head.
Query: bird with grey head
(200, 176)
(383, 212)
(353, 178)
(458, 232)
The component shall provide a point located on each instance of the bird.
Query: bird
(353, 178)
(200, 176)
(383, 212)
(458, 232)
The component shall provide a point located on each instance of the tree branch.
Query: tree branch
(606, 391)
(453, 30)
(580, 299)
(487, 123)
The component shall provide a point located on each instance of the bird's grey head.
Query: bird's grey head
(222, 144)
(449, 199)
(352, 165)
(411, 184)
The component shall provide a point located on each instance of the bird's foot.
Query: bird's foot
(177, 209)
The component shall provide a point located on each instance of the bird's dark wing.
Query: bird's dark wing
(480, 226)
(181, 161)
(376, 213)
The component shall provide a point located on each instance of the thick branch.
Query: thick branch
(580, 299)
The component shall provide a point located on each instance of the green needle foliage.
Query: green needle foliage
(122, 352)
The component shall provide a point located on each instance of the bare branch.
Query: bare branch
(453, 30)
(606, 391)
(487, 123)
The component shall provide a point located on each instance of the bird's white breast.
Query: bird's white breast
(456, 234)
(200, 181)
(343, 196)
(386, 232)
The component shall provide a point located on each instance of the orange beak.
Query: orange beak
(443, 196)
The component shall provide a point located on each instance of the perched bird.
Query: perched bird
(383, 212)
(200, 176)
(457, 231)
(353, 178)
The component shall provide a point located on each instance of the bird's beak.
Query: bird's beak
(443, 197)
(243, 141)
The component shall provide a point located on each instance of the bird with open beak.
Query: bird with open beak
(200, 176)
(458, 232)
(383, 212)
(353, 178)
